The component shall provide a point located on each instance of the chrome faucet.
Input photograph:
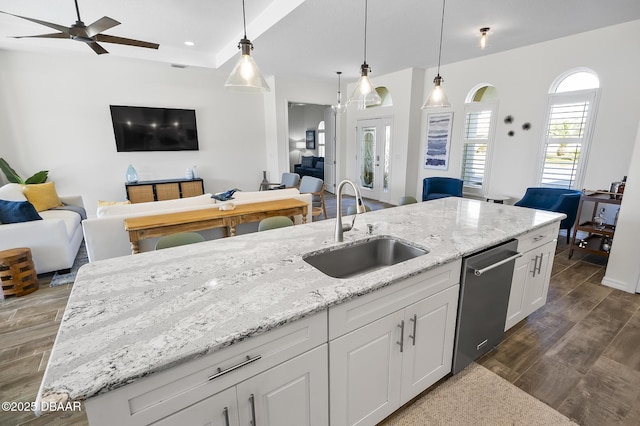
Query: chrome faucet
(360, 208)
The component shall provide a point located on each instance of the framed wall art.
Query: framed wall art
(311, 139)
(436, 151)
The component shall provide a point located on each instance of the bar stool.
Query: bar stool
(17, 273)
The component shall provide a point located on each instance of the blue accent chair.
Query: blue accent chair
(554, 200)
(441, 187)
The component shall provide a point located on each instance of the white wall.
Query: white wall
(623, 269)
(522, 78)
(54, 112)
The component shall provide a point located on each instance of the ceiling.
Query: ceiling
(313, 38)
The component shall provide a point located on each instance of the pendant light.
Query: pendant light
(246, 76)
(339, 108)
(365, 94)
(437, 97)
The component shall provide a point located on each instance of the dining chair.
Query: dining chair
(315, 187)
(407, 200)
(274, 222)
(179, 239)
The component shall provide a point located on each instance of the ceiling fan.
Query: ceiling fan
(90, 35)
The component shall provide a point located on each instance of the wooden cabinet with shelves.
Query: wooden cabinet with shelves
(158, 190)
(599, 238)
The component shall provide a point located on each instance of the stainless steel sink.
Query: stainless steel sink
(363, 257)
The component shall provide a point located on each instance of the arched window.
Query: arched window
(479, 128)
(321, 140)
(568, 126)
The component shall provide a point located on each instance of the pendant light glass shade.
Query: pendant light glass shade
(339, 108)
(246, 76)
(365, 94)
(437, 98)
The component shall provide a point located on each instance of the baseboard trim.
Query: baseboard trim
(620, 285)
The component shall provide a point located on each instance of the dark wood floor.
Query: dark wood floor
(580, 353)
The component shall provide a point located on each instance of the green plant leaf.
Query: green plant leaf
(11, 174)
(40, 177)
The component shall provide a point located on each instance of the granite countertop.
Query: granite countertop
(131, 316)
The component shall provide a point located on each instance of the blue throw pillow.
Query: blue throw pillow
(320, 165)
(307, 161)
(17, 211)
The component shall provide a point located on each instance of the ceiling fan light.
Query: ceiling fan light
(365, 93)
(437, 98)
(246, 76)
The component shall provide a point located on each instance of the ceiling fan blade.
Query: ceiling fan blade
(97, 48)
(61, 28)
(53, 35)
(101, 25)
(127, 41)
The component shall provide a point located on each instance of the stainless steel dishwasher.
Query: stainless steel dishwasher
(482, 307)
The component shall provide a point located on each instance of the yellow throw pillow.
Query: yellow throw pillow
(112, 203)
(43, 196)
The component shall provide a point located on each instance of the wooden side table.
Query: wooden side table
(17, 273)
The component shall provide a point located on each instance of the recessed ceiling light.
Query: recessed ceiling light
(189, 43)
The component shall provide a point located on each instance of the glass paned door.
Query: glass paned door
(374, 158)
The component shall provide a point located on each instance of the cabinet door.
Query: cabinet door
(515, 311)
(365, 372)
(140, 193)
(220, 409)
(295, 393)
(530, 283)
(428, 345)
(537, 283)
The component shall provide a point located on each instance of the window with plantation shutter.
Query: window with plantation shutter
(566, 138)
(478, 131)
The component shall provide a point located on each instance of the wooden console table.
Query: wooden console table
(159, 225)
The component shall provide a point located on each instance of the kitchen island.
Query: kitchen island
(132, 319)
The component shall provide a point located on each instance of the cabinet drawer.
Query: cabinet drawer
(537, 237)
(362, 310)
(158, 395)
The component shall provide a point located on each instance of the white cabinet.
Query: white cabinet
(378, 366)
(531, 274)
(285, 369)
(294, 393)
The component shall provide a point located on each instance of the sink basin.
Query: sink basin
(363, 257)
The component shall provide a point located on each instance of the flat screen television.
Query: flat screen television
(154, 129)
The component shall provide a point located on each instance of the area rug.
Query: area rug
(81, 259)
(475, 397)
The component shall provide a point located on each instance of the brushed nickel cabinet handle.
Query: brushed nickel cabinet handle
(415, 322)
(225, 412)
(222, 372)
(401, 342)
(253, 410)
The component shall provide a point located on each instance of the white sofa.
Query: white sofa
(54, 241)
(105, 236)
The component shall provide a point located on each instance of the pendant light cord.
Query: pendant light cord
(244, 20)
(441, 29)
(366, 7)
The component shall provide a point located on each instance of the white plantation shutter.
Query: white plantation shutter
(477, 133)
(567, 135)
